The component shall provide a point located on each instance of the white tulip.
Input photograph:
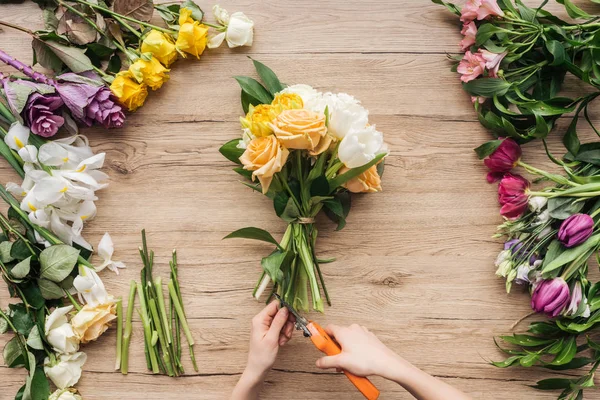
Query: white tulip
(65, 394)
(90, 287)
(59, 331)
(65, 371)
(361, 146)
(106, 249)
(312, 99)
(17, 136)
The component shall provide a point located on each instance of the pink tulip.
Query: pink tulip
(505, 157)
(492, 61)
(575, 230)
(471, 66)
(550, 297)
(469, 31)
(513, 195)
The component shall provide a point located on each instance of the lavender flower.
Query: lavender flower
(42, 114)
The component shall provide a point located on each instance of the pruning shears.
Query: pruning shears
(329, 346)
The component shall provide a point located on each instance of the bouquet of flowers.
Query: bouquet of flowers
(308, 150)
(551, 235)
(515, 59)
(116, 40)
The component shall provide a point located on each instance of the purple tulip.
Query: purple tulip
(42, 114)
(550, 296)
(575, 230)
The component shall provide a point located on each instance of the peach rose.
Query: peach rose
(299, 129)
(264, 156)
(91, 322)
(367, 182)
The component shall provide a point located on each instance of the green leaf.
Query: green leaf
(57, 262)
(197, 12)
(254, 89)
(529, 359)
(37, 386)
(45, 57)
(20, 251)
(33, 295)
(454, 9)
(253, 233)
(571, 254)
(557, 50)
(552, 384)
(526, 340)
(487, 148)
(34, 340)
(13, 357)
(272, 264)
(567, 353)
(506, 363)
(21, 270)
(231, 152)
(5, 248)
(3, 326)
(339, 180)
(570, 139)
(50, 290)
(485, 32)
(74, 58)
(563, 207)
(268, 77)
(280, 202)
(575, 363)
(248, 100)
(290, 212)
(487, 87)
(20, 318)
(573, 10)
(344, 199)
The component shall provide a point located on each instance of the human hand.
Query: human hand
(362, 354)
(271, 329)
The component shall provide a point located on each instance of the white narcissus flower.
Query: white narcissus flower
(90, 287)
(106, 249)
(17, 136)
(312, 99)
(65, 371)
(65, 394)
(359, 147)
(29, 154)
(59, 331)
(536, 203)
(239, 29)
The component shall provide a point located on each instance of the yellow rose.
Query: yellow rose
(130, 93)
(288, 101)
(300, 129)
(161, 46)
(151, 73)
(91, 322)
(259, 118)
(367, 182)
(192, 35)
(265, 157)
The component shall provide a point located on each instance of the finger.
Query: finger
(333, 330)
(278, 323)
(329, 362)
(284, 339)
(364, 328)
(265, 317)
(288, 329)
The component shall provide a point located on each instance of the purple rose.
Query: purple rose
(42, 114)
(550, 296)
(575, 230)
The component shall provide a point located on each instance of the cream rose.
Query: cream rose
(65, 394)
(299, 129)
(65, 371)
(264, 156)
(59, 332)
(92, 321)
(367, 182)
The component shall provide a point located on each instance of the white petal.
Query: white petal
(215, 41)
(240, 31)
(57, 317)
(106, 247)
(17, 136)
(52, 154)
(29, 154)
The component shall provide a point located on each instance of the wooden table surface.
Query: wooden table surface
(415, 262)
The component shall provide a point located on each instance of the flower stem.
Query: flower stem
(128, 329)
(161, 307)
(186, 329)
(561, 180)
(147, 330)
(24, 68)
(119, 333)
(17, 27)
(72, 300)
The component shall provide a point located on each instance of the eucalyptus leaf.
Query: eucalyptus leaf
(20, 318)
(57, 262)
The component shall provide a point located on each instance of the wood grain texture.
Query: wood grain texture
(415, 262)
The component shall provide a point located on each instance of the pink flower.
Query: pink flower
(575, 230)
(550, 297)
(492, 61)
(478, 99)
(469, 31)
(471, 66)
(513, 196)
(479, 9)
(505, 157)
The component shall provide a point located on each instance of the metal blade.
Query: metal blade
(301, 322)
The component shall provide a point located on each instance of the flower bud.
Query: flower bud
(550, 296)
(536, 203)
(575, 230)
(512, 195)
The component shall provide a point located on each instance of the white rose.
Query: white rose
(59, 332)
(345, 114)
(65, 394)
(17, 136)
(240, 31)
(66, 370)
(536, 203)
(312, 99)
(361, 146)
(220, 14)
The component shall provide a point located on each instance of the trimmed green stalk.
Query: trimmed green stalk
(266, 279)
(162, 309)
(184, 324)
(307, 260)
(148, 332)
(119, 333)
(128, 329)
(161, 337)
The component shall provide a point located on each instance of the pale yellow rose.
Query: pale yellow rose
(192, 36)
(129, 92)
(259, 118)
(288, 101)
(161, 46)
(300, 129)
(264, 156)
(367, 182)
(151, 73)
(91, 322)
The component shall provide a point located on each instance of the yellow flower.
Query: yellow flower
(161, 46)
(151, 73)
(288, 101)
(192, 35)
(259, 118)
(129, 92)
(91, 322)
(367, 182)
(265, 156)
(300, 129)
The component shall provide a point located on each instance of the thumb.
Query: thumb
(329, 362)
(278, 323)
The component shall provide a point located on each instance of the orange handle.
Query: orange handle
(327, 345)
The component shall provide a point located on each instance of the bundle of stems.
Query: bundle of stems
(162, 329)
